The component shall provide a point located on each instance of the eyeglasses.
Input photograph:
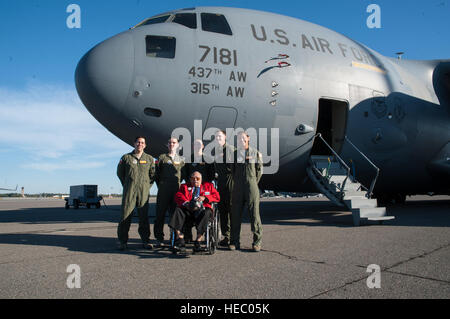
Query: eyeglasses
(196, 178)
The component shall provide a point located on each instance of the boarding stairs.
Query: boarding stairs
(333, 178)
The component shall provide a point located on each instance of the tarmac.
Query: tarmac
(310, 250)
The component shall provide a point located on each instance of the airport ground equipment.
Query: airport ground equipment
(83, 195)
(335, 179)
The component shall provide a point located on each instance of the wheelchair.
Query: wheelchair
(211, 237)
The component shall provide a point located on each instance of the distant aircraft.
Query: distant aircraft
(7, 189)
(235, 68)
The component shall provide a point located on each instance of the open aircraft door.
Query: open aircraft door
(332, 125)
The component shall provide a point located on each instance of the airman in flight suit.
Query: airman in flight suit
(247, 172)
(168, 178)
(136, 172)
(223, 168)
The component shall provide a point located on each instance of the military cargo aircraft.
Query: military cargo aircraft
(385, 121)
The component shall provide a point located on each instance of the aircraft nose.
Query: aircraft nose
(103, 77)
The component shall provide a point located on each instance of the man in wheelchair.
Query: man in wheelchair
(194, 201)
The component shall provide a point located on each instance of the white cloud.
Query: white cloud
(50, 125)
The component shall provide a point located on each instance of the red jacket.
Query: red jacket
(207, 190)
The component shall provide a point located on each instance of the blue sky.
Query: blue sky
(49, 141)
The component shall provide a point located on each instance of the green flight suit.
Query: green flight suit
(137, 177)
(247, 172)
(168, 179)
(224, 171)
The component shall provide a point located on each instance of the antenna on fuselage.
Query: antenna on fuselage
(399, 55)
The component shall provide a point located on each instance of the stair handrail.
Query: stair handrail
(341, 161)
(372, 185)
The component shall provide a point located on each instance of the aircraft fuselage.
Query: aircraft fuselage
(278, 72)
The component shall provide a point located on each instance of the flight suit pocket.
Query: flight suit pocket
(132, 170)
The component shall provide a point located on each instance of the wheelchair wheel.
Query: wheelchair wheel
(211, 243)
(213, 235)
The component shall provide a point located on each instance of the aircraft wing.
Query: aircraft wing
(7, 189)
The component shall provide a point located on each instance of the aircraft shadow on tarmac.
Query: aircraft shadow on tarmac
(417, 213)
(56, 215)
(85, 244)
(286, 213)
(314, 213)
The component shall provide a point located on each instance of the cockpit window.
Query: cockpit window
(217, 23)
(187, 19)
(156, 20)
(160, 46)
